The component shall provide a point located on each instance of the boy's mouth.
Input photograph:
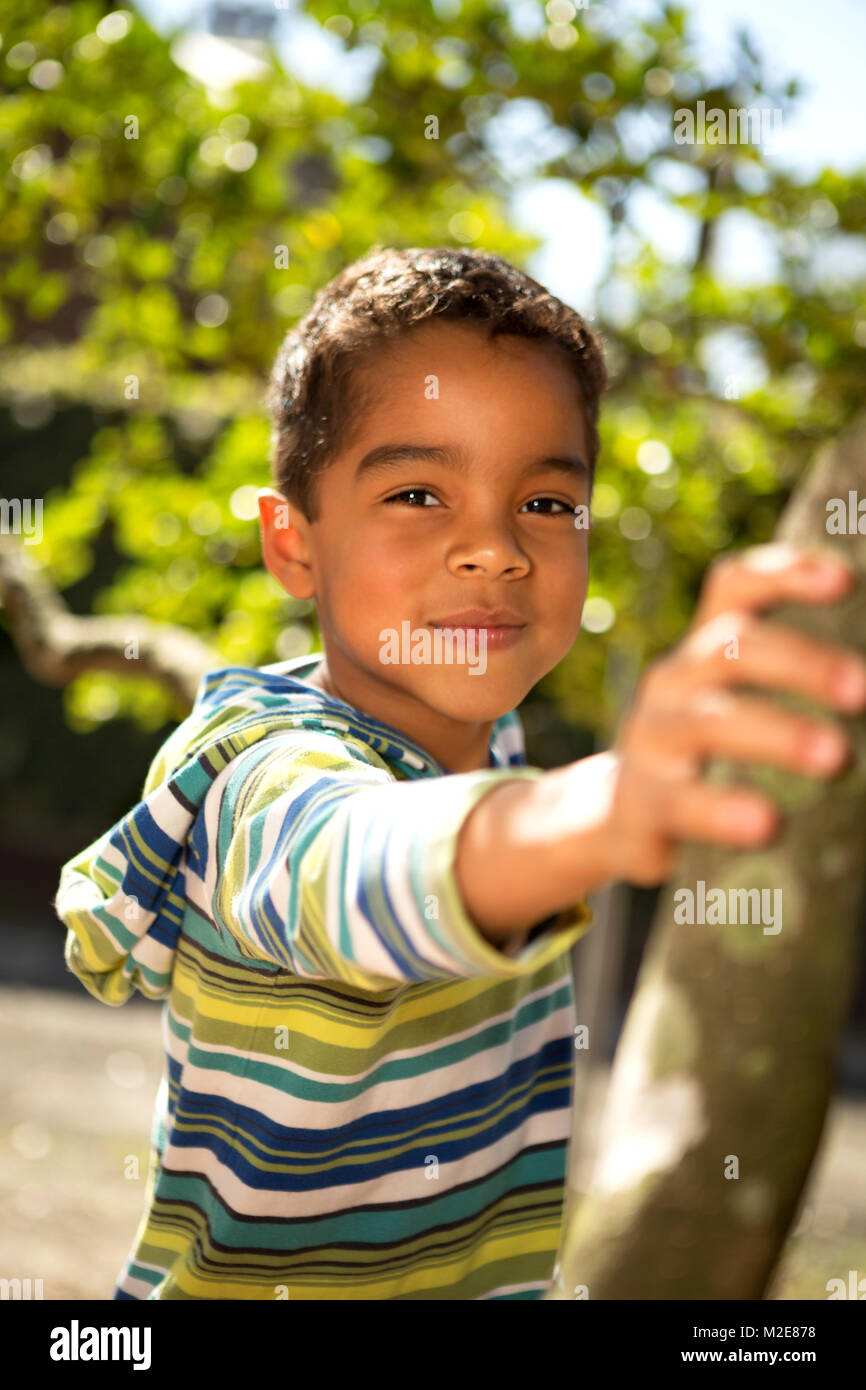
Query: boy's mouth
(501, 627)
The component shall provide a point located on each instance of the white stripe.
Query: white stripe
(542, 1284)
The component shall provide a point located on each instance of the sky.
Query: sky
(824, 45)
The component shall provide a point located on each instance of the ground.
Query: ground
(77, 1082)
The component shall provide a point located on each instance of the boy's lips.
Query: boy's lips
(501, 626)
(481, 617)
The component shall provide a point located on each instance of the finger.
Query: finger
(732, 817)
(765, 575)
(746, 730)
(737, 649)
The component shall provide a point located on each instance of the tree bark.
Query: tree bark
(724, 1070)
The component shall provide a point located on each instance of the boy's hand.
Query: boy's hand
(686, 710)
(531, 848)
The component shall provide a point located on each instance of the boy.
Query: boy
(355, 896)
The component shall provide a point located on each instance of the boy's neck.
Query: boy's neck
(456, 746)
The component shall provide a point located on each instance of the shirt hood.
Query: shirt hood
(122, 898)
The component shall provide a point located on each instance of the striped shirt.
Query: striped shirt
(362, 1096)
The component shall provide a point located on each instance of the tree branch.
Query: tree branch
(55, 645)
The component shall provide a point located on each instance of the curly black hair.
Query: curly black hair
(312, 397)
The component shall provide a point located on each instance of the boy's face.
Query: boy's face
(490, 526)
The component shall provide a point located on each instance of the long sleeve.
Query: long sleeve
(314, 857)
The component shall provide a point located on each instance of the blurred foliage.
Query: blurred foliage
(141, 221)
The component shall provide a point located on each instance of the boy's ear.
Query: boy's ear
(275, 508)
(284, 543)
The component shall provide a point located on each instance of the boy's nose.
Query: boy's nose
(492, 556)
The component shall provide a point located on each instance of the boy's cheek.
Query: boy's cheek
(562, 601)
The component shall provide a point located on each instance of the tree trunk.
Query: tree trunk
(724, 1070)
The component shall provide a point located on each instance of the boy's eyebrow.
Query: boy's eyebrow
(386, 456)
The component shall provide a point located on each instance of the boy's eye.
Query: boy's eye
(412, 493)
(545, 511)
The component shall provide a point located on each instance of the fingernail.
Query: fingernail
(825, 750)
(824, 573)
(748, 818)
(850, 687)
(822, 564)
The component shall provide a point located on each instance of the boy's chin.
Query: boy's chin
(470, 698)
